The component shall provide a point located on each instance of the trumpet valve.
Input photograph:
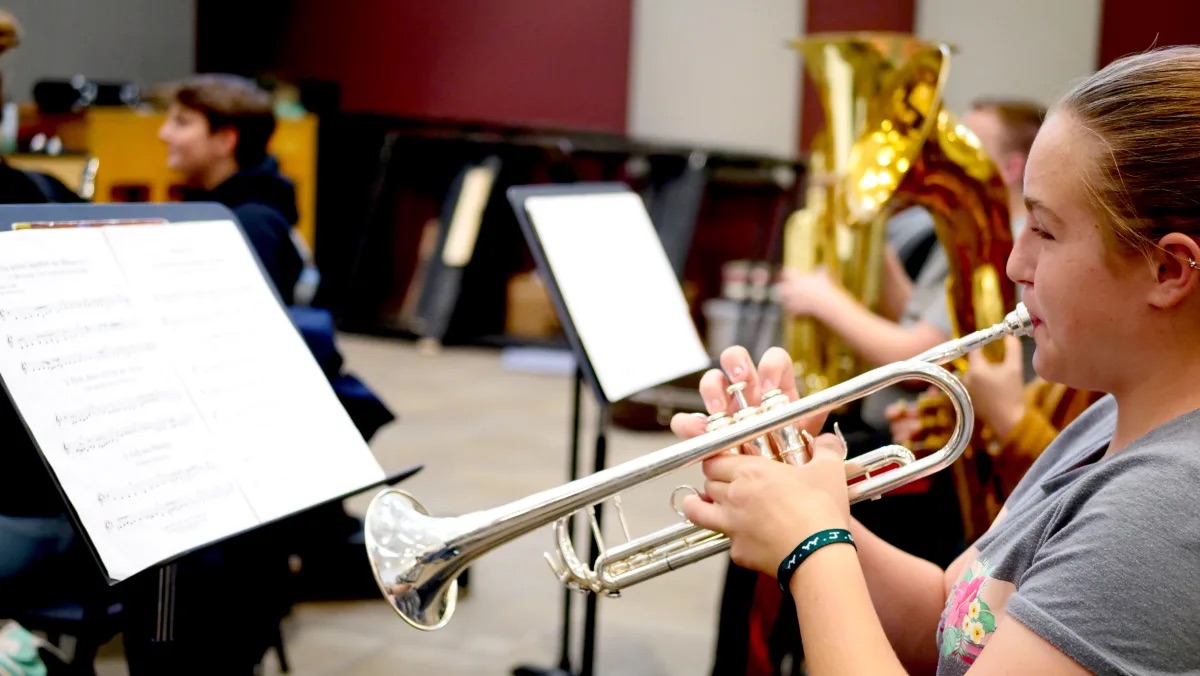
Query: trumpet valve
(738, 392)
(718, 421)
(759, 445)
(789, 446)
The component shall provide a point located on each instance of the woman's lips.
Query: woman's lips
(1036, 321)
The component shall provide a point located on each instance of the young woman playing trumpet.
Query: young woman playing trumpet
(1088, 568)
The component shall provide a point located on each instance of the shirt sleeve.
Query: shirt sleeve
(928, 302)
(1109, 586)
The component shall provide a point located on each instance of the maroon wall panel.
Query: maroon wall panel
(1130, 26)
(556, 63)
(825, 16)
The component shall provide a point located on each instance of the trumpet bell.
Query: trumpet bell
(413, 564)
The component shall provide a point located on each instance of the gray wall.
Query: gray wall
(146, 41)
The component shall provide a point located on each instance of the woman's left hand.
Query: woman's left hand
(767, 507)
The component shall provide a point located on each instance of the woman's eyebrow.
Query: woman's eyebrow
(1033, 203)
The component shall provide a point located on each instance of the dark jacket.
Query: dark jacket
(264, 202)
(20, 187)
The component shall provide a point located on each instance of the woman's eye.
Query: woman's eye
(1041, 233)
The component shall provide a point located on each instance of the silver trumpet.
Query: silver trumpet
(417, 558)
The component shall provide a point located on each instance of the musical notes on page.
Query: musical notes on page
(167, 388)
(87, 370)
(276, 420)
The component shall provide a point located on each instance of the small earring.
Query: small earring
(1192, 263)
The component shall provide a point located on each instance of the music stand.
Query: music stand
(623, 313)
(169, 213)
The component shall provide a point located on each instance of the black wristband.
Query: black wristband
(805, 549)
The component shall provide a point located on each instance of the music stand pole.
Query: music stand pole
(589, 626)
(564, 656)
(564, 660)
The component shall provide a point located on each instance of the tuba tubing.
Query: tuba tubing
(416, 558)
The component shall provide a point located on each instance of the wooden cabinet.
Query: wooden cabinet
(133, 162)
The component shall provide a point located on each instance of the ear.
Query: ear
(225, 139)
(1175, 267)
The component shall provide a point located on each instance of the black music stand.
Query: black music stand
(458, 231)
(624, 316)
(169, 213)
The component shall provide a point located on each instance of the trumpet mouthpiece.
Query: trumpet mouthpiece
(1018, 322)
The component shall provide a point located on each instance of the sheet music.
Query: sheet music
(619, 289)
(277, 423)
(96, 389)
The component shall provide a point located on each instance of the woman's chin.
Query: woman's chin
(1042, 363)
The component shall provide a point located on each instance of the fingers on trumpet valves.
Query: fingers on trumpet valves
(713, 386)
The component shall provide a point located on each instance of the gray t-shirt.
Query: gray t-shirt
(1097, 558)
(927, 301)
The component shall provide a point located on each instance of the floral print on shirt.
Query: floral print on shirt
(967, 620)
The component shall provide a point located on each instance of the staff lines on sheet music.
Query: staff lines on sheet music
(136, 489)
(175, 262)
(42, 310)
(169, 508)
(122, 461)
(44, 269)
(119, 374)
(56, 363)
(216, 316)
(124, 406)
(190, 294)
(136, 454)
(98, 442)
(263, 354)
(64, 335)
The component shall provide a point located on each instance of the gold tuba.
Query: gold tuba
(888, 143)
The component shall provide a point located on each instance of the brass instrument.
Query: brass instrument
(888, 143)
(416, 558)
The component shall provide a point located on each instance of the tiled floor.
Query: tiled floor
(487, 436)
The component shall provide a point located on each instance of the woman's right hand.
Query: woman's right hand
(774, 371)
(765, 506)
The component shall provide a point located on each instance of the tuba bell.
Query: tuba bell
(889, 143)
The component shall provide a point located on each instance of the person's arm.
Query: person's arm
(840, 629)
(896, 288)
(875, 338)
(908, 594)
